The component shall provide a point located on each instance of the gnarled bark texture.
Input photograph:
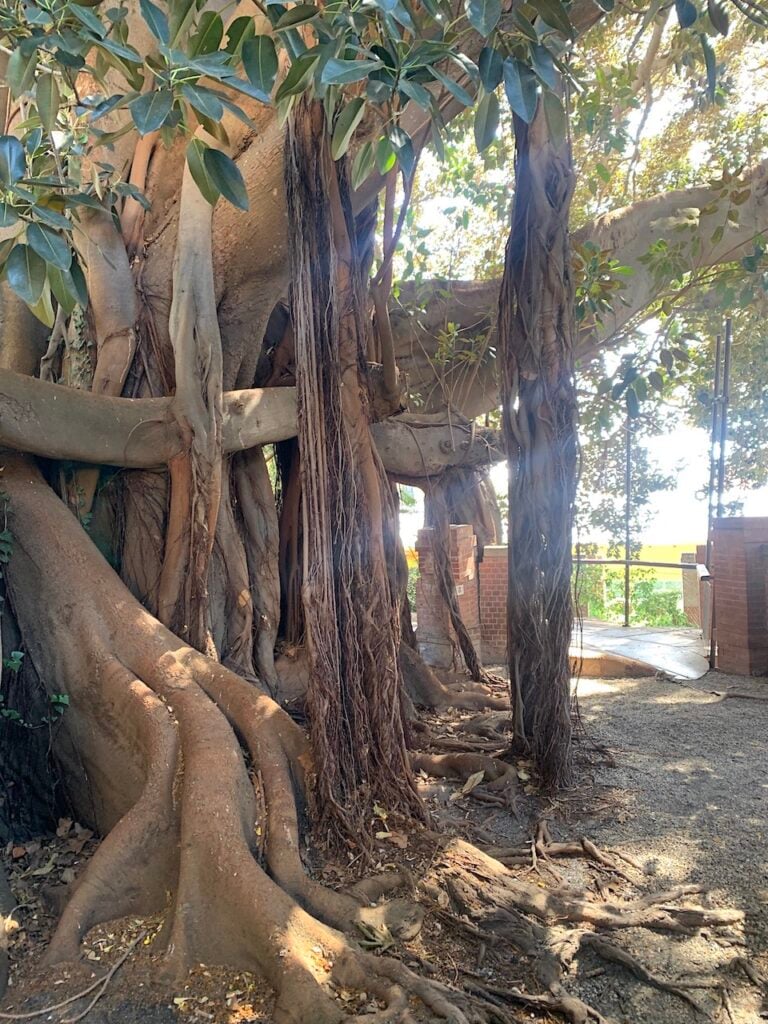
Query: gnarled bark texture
(350, 607)
(536, 333)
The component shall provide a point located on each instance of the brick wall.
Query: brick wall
(740, 571)
(493, 603)
(437, 641)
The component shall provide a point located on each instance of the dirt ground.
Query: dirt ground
(669, 774)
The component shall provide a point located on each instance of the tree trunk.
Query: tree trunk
(350, 607)
(536, 334)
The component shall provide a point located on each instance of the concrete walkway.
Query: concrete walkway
(679, 652)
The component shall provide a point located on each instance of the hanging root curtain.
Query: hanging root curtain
(350, 605)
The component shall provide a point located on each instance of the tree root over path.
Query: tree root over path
(498, 908)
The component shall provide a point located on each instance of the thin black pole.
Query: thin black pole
(712, 444)
(627, 514)
(723, 437)
(724, 415)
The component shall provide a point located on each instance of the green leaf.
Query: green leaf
(544, 65)
(8, 216)
(126, 53)
(555, 15)
(226, 176)
(456, 90)
(686, 13)
(51, 217)
(260, 62)
(151, 109)
(238, 33)
(656, 380)
(196, 151)
(49, 246)
(25, 273)
(633, 405)
(521, 88)
(47, 98)
(710, 63)
(483, 15)
(156, 21)
(204, 100)
(209, 34)
(342, 72)
(641, 387)
(486, 120)
(718, 15)
(344, 129)
(363, 164)
(298, 15)
(13, 164)
(78, 280)
(417, 93)
(491, 65)
(525, 25)
(554, 112)
(43, 308)
(87, 18)
(386, 157)
(402, 144)
(298, 76)
(245, 87)
(63, 288)
(20, 71)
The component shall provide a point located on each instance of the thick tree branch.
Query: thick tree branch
(139, 433)
(679, 217)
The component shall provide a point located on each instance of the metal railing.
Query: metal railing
(628, 563)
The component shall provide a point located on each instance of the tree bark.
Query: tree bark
(350, 608)
(536, 334)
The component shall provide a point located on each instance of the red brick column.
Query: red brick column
(740, 571)
(493, 603)
(437, 641)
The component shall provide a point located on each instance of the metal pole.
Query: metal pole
(713, 441)
(627, 514)
(723, 430)
(724, 415)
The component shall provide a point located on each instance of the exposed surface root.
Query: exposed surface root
(498, 908)
(426, 690)
(494, 775)
(543, 846)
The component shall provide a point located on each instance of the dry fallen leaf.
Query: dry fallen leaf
(474, 780)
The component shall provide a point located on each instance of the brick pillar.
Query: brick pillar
(740, 571)
(437, 641)
(493, 603)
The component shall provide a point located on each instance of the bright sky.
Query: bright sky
(677, 516)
